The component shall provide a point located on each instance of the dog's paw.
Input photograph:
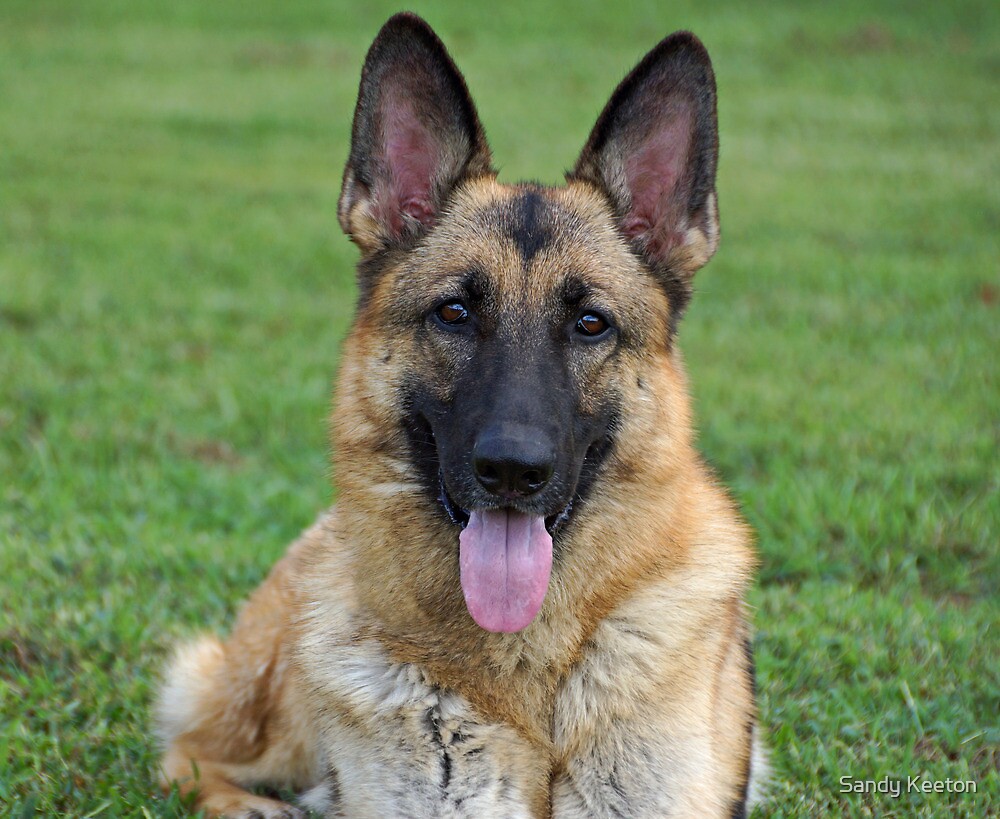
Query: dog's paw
(252, 807)
(280, 810)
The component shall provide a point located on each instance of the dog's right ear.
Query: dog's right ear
(416, 134)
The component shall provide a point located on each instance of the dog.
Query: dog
(529, 598)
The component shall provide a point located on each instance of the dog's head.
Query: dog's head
(515, 320)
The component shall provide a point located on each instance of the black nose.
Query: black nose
(513, 461)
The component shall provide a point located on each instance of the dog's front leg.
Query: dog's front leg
(397, 745)
(657, 720)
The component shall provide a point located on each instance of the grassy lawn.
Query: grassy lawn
(173, 288)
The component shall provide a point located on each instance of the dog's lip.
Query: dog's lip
(460, 516)
(455, 512)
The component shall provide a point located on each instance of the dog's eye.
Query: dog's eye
(452, 313)
(592, 325)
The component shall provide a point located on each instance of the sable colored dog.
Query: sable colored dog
(529, 598)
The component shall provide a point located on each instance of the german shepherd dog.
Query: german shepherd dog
(528, 600)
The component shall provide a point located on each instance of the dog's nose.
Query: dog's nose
(513, 462)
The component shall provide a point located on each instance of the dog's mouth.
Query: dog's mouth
(505, 559)
(461, 517)
(505, 551)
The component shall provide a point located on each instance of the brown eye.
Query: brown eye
(591, 325)
(453, 313)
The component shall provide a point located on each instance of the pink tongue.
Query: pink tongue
(505, 559)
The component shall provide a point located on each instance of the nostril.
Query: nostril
(488, 474)
(532, 480)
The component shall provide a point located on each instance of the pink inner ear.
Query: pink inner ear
(653, 173)
(411, 158)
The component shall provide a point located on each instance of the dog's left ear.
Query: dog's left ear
(416, 134)
(654, 151)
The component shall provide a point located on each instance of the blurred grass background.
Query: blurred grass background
(173, 288)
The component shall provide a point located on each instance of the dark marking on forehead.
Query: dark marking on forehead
(527, 225)
(526, 220)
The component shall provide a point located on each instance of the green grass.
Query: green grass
(173, 288)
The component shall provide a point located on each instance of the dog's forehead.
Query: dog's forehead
(528, 239)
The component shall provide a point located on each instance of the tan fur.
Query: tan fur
(355, 670)
(642, 629)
